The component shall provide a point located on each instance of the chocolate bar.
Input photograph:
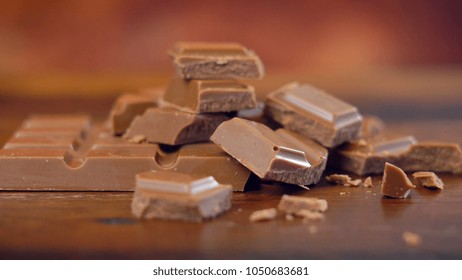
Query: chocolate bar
(314, 113)
(220, 61)
(100, 161)
(173, 127)
(273, 155)
(369, 156)
(395, 183)
(209, 96)
(177, 196)
(128, 106)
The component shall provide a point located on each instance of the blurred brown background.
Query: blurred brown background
(133, 36)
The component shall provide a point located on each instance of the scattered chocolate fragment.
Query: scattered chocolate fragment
(339, 179)
(209, 96)
(314, 113)
(428, 180)
(279, 156)
(395, 183)
(263, 215)
(309, 215)
(368, 182)
(100, 161)
(411, 239)
(369, 156)
(176, 196)
(128, 106)
(294, 204)
(173, 127)
(215, 61)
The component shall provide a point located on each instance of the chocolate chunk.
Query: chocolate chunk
(314, 113)
(294, 204)
(339, 179)
(128, 106)
(395, 183)
(369, 156)
(209, 96)
(173, 127)
(101, 161)
(368, 182)
(263, 215)
(177, 196)
(274, 155)
(428, 180)
(216, 61)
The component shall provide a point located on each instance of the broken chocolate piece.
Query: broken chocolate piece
(128, 106)
(339, 179)
(209, 96)
(368, 182)
(173, 127)
(428, 180)
(309, 215)
(102, 162)
(280, 156)
(314, 113)
(294, 204)
(369, 156)
(395, 183)
(176, 196)
(263, 215)
(216, 61)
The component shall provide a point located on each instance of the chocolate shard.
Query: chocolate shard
(280, 156)
(314, 113)
(291, 204)
(173, 127)
(369, 156)
(395, 183)
(428, 180)
(129, 105)
(101, 162)
(209, 96)
(178, 196)
(215, 61)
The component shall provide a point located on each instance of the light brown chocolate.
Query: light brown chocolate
(428, 180)
(129, 105)
(395, 182)
(173, 127)
(369, 156)
(178, 196)
(291, 204)
(263, 215)
(102, 162)
(314, 113)
(273, 155)
(209, 96)
(215, 61)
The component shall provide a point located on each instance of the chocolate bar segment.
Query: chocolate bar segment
(395, 183)
(215, 61)
(279, 156)
(428, 180)
(314, 113)
(209, 96)
(102, 162)
(369, 156)
(128, 106)
(173, 127)
(177, 196)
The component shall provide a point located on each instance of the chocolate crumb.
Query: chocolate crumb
(411, 239)
(263, 215)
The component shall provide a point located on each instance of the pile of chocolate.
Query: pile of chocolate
(186, 148)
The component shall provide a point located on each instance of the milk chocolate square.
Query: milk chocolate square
(314, 113)
(209, 96)
(178, 196)
(215, 61)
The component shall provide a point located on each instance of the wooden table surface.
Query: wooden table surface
(359, 224)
